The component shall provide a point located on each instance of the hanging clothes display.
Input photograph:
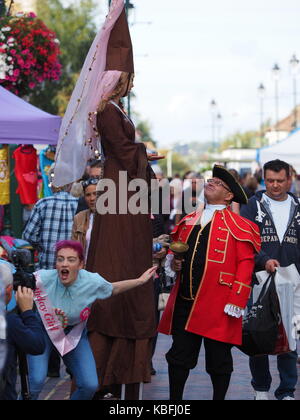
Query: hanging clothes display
(4, 176)
(26, 173)
(46, 160)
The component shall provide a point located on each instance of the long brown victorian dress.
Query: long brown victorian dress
(121, 327)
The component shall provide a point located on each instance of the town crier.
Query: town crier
(212, 287)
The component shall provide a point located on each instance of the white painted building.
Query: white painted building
(242, 160)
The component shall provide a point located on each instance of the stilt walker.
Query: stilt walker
(121, 330)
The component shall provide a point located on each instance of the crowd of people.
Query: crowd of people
(60, 228)
(104, 254)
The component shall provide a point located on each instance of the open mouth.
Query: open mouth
(64, 274)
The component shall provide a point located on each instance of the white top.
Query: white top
(280, 211)
(75, 298)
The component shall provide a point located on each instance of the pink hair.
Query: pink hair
(75, 245)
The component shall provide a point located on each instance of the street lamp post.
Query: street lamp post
(261, 93)
(294, 64)
(219, 125)
(276, 73)
(213, 107)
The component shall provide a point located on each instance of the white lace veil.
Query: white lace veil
(78, 136)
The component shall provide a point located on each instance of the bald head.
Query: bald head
(6, 277)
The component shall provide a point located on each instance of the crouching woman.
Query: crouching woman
(63, 298)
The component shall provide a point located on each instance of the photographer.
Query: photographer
(24, 332)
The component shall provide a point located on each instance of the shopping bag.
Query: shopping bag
(287, 282)
(261, 322)
(162, 301)
(282, 343)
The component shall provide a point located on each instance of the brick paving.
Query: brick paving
(198, 386)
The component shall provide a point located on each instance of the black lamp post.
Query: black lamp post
(276, 74)
(11, 3)
(294, 65)
(261, 93)
(128, 6)
(213, 107)
(219, 125)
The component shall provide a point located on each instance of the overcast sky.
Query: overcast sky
(195, 51)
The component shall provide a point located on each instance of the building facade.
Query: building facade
(25, 6)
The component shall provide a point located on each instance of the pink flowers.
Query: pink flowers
(30, 52)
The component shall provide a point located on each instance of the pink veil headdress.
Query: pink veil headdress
(79, 139)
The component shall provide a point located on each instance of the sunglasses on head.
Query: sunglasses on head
(90, 181)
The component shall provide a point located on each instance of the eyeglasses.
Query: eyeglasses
(90, 181)
(218, 183)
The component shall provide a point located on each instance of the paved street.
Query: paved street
(198, 386)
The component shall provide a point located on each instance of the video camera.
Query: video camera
(21, 259)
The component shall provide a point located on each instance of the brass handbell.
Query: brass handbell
(179, 248)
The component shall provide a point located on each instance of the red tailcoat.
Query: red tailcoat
(226, 279)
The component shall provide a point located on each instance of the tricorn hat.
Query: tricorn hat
(239, 195)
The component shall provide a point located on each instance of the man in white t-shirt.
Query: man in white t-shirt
(277, 213)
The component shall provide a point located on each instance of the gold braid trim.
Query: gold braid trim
(254, 242)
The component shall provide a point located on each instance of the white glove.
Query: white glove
(234, 311)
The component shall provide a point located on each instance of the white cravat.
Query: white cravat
(209, 211)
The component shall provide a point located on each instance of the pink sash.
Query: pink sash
(64, 343)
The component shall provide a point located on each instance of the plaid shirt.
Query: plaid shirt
(51, 221)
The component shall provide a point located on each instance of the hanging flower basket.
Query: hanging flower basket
(28, 53)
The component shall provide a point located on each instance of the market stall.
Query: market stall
(287, 150)
(23, 123)
(21, 126)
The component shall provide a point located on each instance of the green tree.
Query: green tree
(75, 29)
(144, 129)
(239, 140)
(179, 164)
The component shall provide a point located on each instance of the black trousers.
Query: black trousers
(184, 354)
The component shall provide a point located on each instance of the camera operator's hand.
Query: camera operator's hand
(24, 298)
(160, 254)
